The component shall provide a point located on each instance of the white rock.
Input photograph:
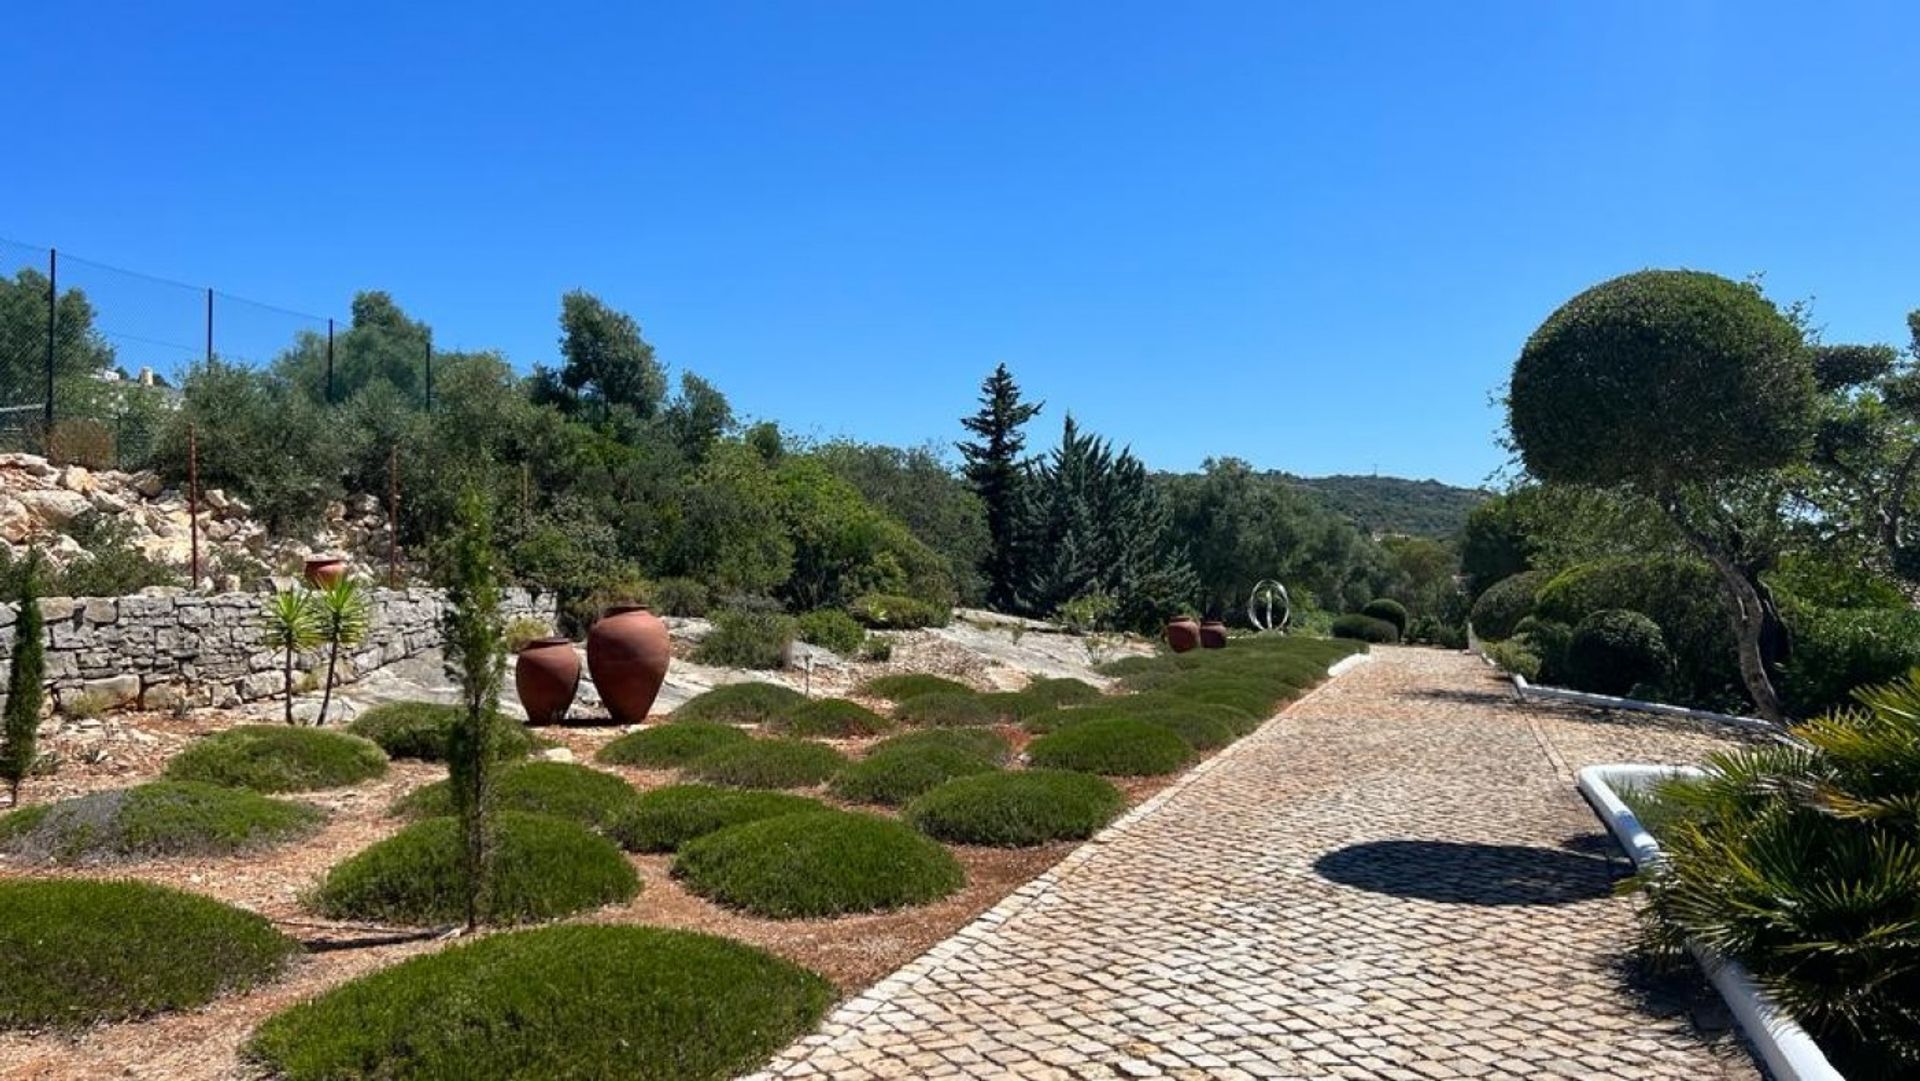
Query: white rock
(215, 498)
(149, 485)
(55, 507)
(557, 754)
(76, 478)
(107, 503)
(16, 524)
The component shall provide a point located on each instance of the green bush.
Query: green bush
(541, 868)
(1062, 692)
(1548, 641)
(897, 775)
(899, 688)
(1013, 707)
(1514, 655)
(669, 746)
(1392, 611)
(79, 952)
(574, 1001)
(1014, 810)
(832, 629)
(666, 818)
(981, 741)
(746, 639)
(740, 703)
(945, 710)
(1614, 650)
(1116, 746)
(1838, 649)
(835, 718)
(278, 758)
(580, 794)
(164, 818)
(419, 730)
(1359, 628)
(1681, 596)
(683, 597)
(1498, 610)
(769, 763)
(826, 863)
(1201, 731)
(890, 612)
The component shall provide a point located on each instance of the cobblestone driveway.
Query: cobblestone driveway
(1393, 880)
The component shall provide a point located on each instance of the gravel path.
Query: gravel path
(1395, 879)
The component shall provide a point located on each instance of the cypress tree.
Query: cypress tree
(997, 473)
(476, 653)
(26, 684)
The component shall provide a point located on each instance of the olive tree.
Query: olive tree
(1692, 391)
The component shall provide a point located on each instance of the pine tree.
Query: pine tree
(26, 687)
(474, 636)
(997, 473)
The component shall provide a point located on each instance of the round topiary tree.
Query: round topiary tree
(1674, 385)
(1364, 628)
(1614, 650)
(1388, 609)
(1497, 611)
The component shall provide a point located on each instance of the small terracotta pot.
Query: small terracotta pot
(547, 673)
(628, 655)
(325, 572)
(1183, 634)
(1213, 634)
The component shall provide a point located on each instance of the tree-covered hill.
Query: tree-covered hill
(1388, 505)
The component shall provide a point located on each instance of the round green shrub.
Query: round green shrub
(419, 730)
(1201, 731)
(739, 703)
(1681, 595)
(1548, 641)
(164, 818)
(769, 763)
(542, 868)
(1013, 810)
(1359, 628)
(1388, 609)
(279, 758)
(1838, 649)
(897, 775)
(832, 629)
(580, 794)
(1505, 603)
(1012, 707)
(666, 818)
(1614, 651)
(1062, 692)
(835, 718)
(945, 710)
(1117, 747)
(670, 746)
(899, 688)
(824, 863)
(77, 952)
(573, 1001)
(984, 742)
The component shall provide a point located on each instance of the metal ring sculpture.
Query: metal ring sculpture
(1266, 595)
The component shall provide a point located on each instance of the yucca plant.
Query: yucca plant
(345, 617)
(290, 625)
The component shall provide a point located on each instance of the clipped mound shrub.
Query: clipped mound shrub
(164, 818)
(1499, 610)
(1358, 628)
(279, 758)
(1203, 732)
(832, 629)
(419, 730)
(1614, 651)
(824, 863)
(77, 952)
(1389, 610)
(833, 717)
(890, 612)
(897, 775)
(945, 710)
(1062, 692)
(769, 763)
(666, 818)
(574, 1001)
(669, 746)
(739, 703)
(899, 688)
(1681, 596)
(1013, 810)
(984, 742)
(580, 794)
(1117, 747)
(1547, 640)
(1013, 707)
(542, 867)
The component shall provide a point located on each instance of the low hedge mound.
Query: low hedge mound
(419, 730)
(832, 717)
(76, 952)
(1201, 731)
(574, 1001)
(1118, 747)
(769, 763)
(739, 703)
(823, 863)
(1388, 610)
(666, 818)
(580, 794)
(542, 868)
(896, 776)
(984, 742)
(946, 710)
(1015, 707)
(899, 688)
(1359, 628)
(669, 746)
(279, 758)
(164, 818)
(1062, 692)
(1016, 810)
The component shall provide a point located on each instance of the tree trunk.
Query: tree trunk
(286, 683)
(1756, 627)
(326, 696)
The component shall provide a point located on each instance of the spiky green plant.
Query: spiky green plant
(345, 616)
(290, 625)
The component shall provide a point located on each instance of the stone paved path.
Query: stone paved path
(1395, 879)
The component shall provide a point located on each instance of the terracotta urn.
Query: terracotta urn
(546, 673)
(325, 572)
(627, 654)
(1183, 634)
(1213, 634)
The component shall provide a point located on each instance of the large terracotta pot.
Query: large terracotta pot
(546, 674)
(325, 572)
(1183, 634)
(627, 654)
(1213, 634)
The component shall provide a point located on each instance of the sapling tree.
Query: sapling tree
(290, 625)
(474, 634)
(345, 617)
(996, 468)
(26, 689)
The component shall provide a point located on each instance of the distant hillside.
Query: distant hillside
(1424, 508)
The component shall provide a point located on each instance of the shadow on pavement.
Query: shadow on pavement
(1469, 874)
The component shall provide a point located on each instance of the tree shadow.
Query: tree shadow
(1469, 874)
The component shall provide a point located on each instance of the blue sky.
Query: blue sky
(1312, 236)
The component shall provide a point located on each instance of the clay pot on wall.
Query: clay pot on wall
(1183, 634)
(325, 572)
(546, 673)
(627, 654)
(1213, 634)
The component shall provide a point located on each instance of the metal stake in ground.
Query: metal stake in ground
(193, 502)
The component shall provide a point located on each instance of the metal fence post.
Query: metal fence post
(329, 362)
(53, 337)
(209, 328)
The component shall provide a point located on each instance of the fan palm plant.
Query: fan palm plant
(345, 617)
(290, 625)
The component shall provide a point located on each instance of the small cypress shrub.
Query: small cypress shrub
(670, 746)
(769, 763)
(1388, 609)
(747, 639)
(26, 684)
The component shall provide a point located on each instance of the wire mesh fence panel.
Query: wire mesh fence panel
(27, 344)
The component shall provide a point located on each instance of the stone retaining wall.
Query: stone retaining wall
(159, 649)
